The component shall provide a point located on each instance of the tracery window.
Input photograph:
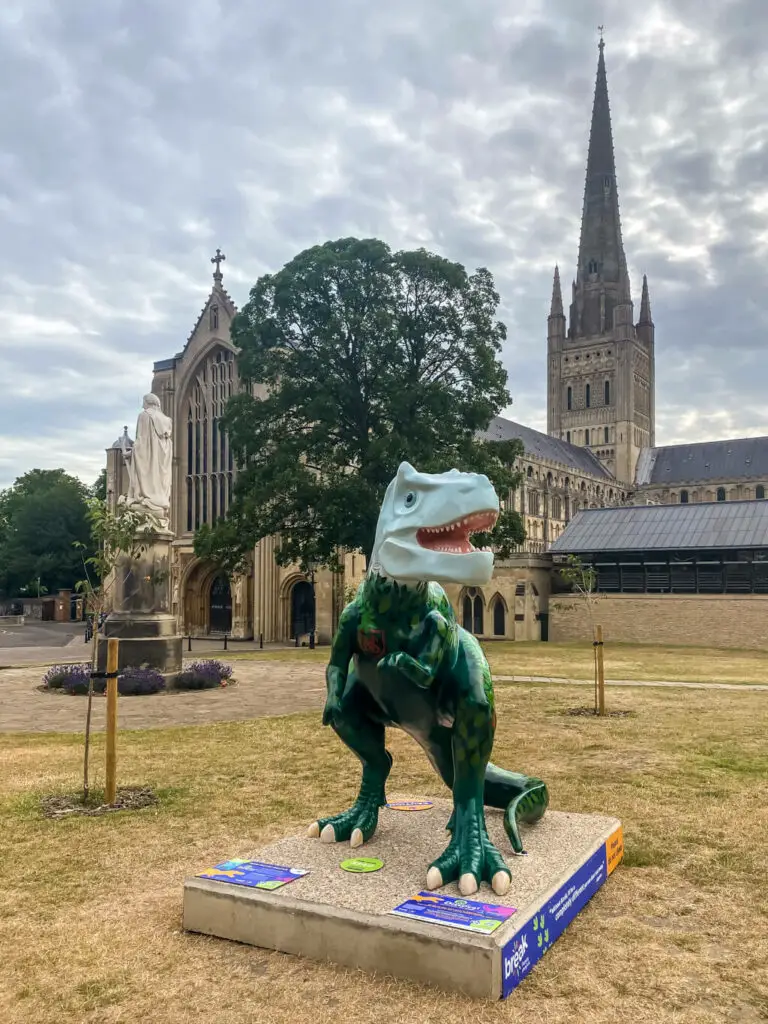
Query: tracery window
(209, 461)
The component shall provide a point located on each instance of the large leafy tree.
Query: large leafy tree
(365, 358)
(42, 516)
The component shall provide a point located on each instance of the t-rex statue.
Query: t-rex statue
(399, 658)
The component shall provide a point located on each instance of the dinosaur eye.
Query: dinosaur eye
(410, 499)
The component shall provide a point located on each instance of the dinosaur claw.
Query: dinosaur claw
(434, 879)
(313, 831)
(500, 883)
(356, 839)
(328, 835)
(468, 884)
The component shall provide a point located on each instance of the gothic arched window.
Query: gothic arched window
(607, 392)
(209, 461)
(570, 398)
(683, 497)
(605, 435)
(472, 612)
(760, 492)
(499, 624)
(586, 436)
(568, 436)
(588, 395)
(213, 318)
(466, 614)
(721, 494)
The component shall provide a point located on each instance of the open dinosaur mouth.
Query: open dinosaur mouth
(454, 537)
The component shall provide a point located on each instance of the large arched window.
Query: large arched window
(586, 436)
(209, 461)
(721, 494)
(570, 398)
(607, 392)
(588, 395)
(760, 492)
(683, 497)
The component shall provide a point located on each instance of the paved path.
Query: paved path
(265, 688)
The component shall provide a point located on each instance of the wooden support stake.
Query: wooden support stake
(111, 787)
(600, 670)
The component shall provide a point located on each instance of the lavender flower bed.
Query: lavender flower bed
(204, 675)
(132, 682)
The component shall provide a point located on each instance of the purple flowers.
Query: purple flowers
(204, 675)
(132, 682)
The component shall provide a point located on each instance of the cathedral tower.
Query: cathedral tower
(600, 366)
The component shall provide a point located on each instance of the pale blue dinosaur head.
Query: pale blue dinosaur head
(425, 524)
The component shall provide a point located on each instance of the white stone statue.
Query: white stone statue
(150, 461)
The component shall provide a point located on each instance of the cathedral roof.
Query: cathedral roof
(706, 525)
(743, 458)
(542, 446)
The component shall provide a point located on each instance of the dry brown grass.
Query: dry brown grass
(575, 661)
(90, 908)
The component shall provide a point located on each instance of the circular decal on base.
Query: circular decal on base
(362, 865)
(410, 805)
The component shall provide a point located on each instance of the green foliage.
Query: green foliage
(367, 358)
(116, 533)
(42, 516)
(99, 488)
(582, 577)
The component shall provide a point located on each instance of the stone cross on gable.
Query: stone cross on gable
(218, 259)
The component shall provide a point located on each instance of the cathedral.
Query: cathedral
(599, 449)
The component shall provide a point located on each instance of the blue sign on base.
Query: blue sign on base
(454, 912)
(253, 874)
(530, 944)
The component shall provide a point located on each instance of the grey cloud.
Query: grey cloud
(137, 137)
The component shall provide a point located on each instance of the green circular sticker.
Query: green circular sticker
(361, 865)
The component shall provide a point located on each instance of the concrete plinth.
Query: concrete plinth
(330, 914)
(141, 618)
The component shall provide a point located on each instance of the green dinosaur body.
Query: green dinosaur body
(400, 659)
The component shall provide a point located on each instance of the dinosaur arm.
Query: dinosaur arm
(341, 654)
(438, 641)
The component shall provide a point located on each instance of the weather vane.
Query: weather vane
(600, 29)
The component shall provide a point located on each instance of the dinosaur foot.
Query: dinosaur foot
(470, 858)
(356, 825)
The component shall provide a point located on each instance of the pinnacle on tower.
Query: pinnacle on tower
(645, 304)
(556, 308)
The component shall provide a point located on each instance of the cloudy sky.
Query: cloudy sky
(139, 135)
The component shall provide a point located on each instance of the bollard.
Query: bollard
(297, 639)
(225, 641)
(312, 640)
(189, 642)
(261, 640)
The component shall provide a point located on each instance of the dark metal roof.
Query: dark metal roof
(723, 524)
(743, 458)
(538, 445)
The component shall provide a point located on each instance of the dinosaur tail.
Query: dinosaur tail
(521, 797)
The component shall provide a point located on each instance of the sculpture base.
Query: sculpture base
(332, 914)
(144, 640)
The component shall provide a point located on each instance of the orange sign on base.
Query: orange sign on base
(614, 850)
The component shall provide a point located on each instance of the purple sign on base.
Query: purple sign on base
(454, 912)
(253, 874)
(529, 945)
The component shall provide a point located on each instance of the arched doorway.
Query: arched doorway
(220, 605)
(302, 609)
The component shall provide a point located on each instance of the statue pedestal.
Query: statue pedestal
(141, 618)
(331, 914)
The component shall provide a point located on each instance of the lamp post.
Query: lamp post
(311, 569)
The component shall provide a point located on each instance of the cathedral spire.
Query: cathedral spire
(556, 308)
(602, 264)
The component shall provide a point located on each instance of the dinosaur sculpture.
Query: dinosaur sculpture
(399, 658)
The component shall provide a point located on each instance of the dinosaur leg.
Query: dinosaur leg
(357, 726)
(470, 857)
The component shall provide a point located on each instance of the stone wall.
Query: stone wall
(709, 620)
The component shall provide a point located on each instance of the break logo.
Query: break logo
(513, 963)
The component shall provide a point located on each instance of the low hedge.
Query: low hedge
(132, 682)
(204, 675)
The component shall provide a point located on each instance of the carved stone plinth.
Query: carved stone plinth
(141, 618)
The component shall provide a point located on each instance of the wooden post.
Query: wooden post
(111, 786)
(600, 670)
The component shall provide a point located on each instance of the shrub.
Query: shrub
(63, 677)
(137, 682)
(204, 675)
